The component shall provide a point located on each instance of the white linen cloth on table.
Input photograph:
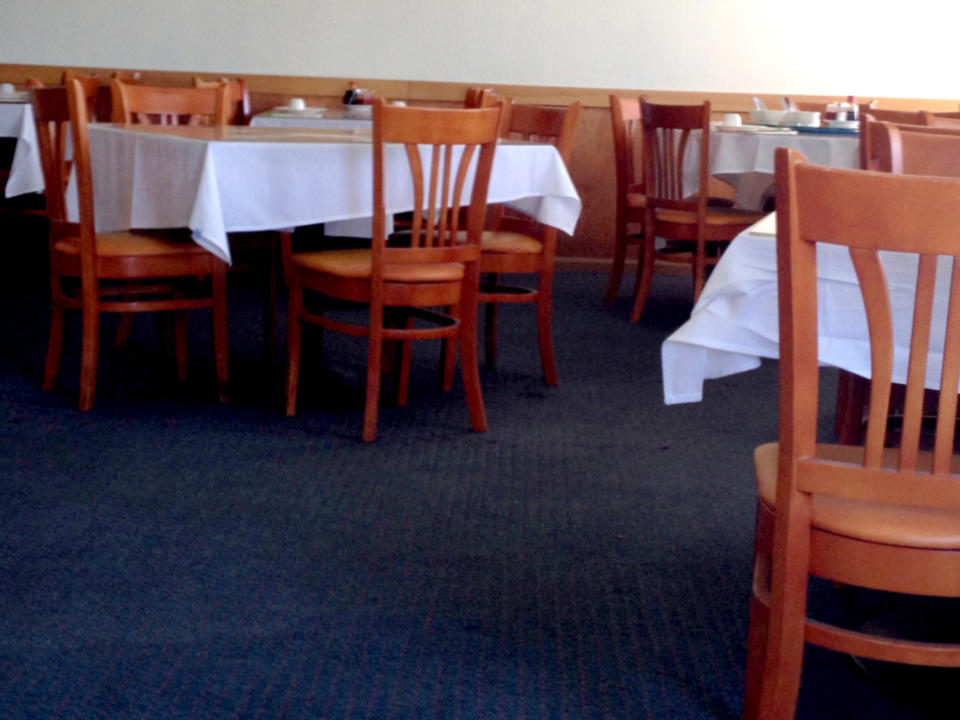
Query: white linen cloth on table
(735, 322)
(331, 123)
(163, 180)
(734, 154)
(26, 170)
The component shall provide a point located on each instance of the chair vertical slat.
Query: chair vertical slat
(873, 284)
(947, 406)
(441, 239)
(917, 368)
(461, 180)
(678, 165)
(416, 174)
(433, 189)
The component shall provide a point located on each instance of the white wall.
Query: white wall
(807, 47)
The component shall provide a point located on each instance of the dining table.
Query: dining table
(743, 156)
(735, 322)
(16, 121)
(217, 180)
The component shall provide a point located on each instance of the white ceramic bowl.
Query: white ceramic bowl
(767, 117)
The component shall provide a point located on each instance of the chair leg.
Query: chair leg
(470, 361)
(619, 260)
(124, 330)
(644, 279)
(374, 369)
(449, 364)
(181, 325)
(54, 348)
(544, 332)
(220, 340)
(756, 654)
(88, 354)
(294, 331)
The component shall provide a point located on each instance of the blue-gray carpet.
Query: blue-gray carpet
(589, 557)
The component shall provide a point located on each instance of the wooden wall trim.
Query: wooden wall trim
(453, 92)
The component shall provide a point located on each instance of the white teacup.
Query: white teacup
(806, 118)
(298, 104)
(7, 89)
(732, 120)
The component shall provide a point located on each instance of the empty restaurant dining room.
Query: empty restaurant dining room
(231, 486)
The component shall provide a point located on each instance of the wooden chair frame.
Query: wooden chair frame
(631, 200)
(867, 516)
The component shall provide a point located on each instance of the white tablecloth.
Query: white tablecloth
(735, 154)
(216, 181)
(735, 322)
(332, 120)
(26, 170)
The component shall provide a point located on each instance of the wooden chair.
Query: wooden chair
(91, 89)
(905, 117)
(238, 98)
(133, 103)
(438, 268)
(517, 245)
(117, 272)
(943, 120)
(695, 230)
(865, 516)
(631, 197)
(475, 97)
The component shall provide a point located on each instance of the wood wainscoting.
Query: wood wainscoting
(591, 164)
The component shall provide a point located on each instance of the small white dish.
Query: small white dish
(15, 97)
(847, 124)
(291, 110)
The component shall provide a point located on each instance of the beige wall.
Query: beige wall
(815, 47)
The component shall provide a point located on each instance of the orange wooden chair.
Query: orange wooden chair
(238, 98)
(904, 117)
(631, 197)
(123, 272)
(135, 103)
(867, 516)
(696, 230)
(437, 268)
(515, 244)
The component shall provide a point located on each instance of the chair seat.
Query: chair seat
(357, 263)
(715, 216)
(636, 199)
(128, 244)
(509, 242)
(872, 521)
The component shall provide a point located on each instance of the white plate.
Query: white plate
(358, 112)
(15, 97)
(849, 124)
(760, 129)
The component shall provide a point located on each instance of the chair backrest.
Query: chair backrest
(541, 123)
(91, 89)
(238, 98)
(439, 146)
(912, 149)
(903, 117)
(627, 144)
(666, 135)
(475, 97)
(58, 110)
(867, 212)
(168, 105)
(945, 119)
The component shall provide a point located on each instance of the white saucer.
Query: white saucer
(15, 97)
(848, 124)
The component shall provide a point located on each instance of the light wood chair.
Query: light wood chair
(403, 287)
(122, 272)
(238, 98)
(696, 231)
(943, 120)
(514, 244)
(904, 117)
(631, 197)
(476, 97)
(867, 516)
(134, 103)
